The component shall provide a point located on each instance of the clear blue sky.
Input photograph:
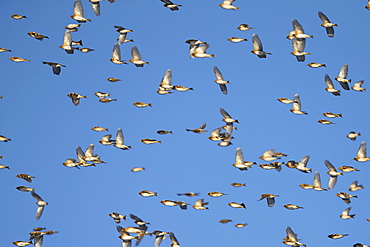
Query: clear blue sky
(45, 127)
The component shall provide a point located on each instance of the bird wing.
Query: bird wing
(119, 136)
(126, 243)
(135, 53)
(317, 180)
(173, 239)
(330, 165)
(224, 113)
(37, 241)
(106, 138)
(158, 239)
(257, 44)
(359, 83)
(346, 211)
(343, 72)
(362, 150)
(134, 217)
(80, 153)
(36, 196)
(167, 78)
(298, 44)
(330, 31)
(304, 161)
(332, 182)
(297, 102)
(121, 38)
(323, 17)
(270, 201)
(202, 48)
(67, 40)
(39, 212)
(297, 26)
(90, 150)
(239, 157)
(328, 81)
(116, 52)
(78, 8)
(56, 70)
(96, 8)
(218, 73)
(223, 88)
(290, 234)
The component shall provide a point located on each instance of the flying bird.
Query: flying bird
(362, 153)
(258, 48)
(75, 97)
(298, 49)
(78, 12)
(330, 86)
(199, 130)
(327, 24)
(333, 174)
(270, 198)
(170, 5)
(358, 86)
(297, 106)
(342, 77)
(228, 4)
(120, 141)
(56, 67)
(67, 43)
(201, 51)
(220, 80)
(136, 57)
(40, 203)
(37, 36)
(116, 55)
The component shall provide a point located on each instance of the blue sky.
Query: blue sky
(45, 127)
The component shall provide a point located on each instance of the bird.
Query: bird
(220, 80)
(332, 115)
(298, 31)
(22, 243)
(292, 206)
(244, 27)
(117, 217)
(105, 140)
(240, 163)
(348, 169)
(201, 51)
(291, 238)
(316, 65)
(216, 194)
(37, 36)
(137, 169)
(19, 59)
(333, 174)
(4, 139)
(200, 205)
(327, 24)
(67, 43)
(136, 57)
(317, 182)
(171, 5)
(113, 79)
(362, 153)
(147, 193)
(301, 166)
(180, 88)
(40, 203)
(355, 187)
(298, 49)
(116, 55)
(228, 4)
(25, 189)
(75, 97)
(358, 86)
(120, 140)
(86, 50)
(227, 117)
(337, 236)
(199, 130)
(240, 225)
(142, 104)
(164, 132)
(149, 141)
(56, 67)
(107, 100)
(78, 12)
(26, 177)
(90, 156)
(4, 50)
(193, 46)
(270, 198)
(345, 197)
(237, 205)
(236, 39)
(330, 86)
(71, 163)
(342, 77)
(238, 184)
(98, 128)
(269, 155)
(345, 214)
(190, 194)
(18, 17)
(73, 27)
(297, 106)
(325, 121)
(258, 48)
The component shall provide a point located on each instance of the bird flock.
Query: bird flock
(225, 131)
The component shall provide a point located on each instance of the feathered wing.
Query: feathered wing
(291, 235)
(78, 8)
(332, 182)
(218, 73)
(223, 88)
(329, 165)
(39, 212)
(96, 8)
(135, 53)
(90, 151)
(343, 71)
(362, 150)
(67, 39)
(297, 102)
(317, 180)
(323, 17)
(270, 201)
(167, 79)
(80, 153)
(257, 44)
(239, 157)
(297, 26)
(37, 241)
(224, 113)
(56, 70)
(116, 54)
(119, 136)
